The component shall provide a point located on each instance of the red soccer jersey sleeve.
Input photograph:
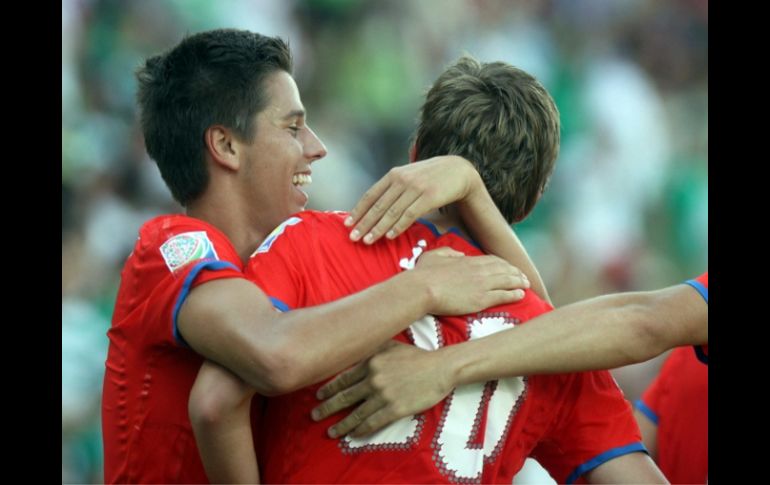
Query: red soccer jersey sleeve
(172, 255)
(149, 369)
(595, 424)
(701, 285)
(677, 403)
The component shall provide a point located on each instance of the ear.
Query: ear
(222, 146)
(413, 152)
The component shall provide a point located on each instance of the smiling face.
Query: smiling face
(276, 164)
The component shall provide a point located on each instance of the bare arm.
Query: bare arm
(492, 232)
(232, 322)
(219, 408)
(600, 333)
(630, 468)
(411, 191)
(649, 433)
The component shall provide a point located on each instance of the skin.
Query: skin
(250, 189)
(600, 333)
(649, 433)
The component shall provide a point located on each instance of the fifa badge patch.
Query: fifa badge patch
(186, 247)
(270, 239)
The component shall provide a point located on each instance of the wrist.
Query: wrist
(415, 284)
(476, 196)
(473, 183)
(458, 365)
(448, 359)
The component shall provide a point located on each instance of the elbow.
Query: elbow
(207, 410)
(651, 331)
(280, 370)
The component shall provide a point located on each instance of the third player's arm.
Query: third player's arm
(601, 333)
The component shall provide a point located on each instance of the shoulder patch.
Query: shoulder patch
(270, 239)
(183, 248)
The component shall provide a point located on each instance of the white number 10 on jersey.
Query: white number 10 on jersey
(457, 455)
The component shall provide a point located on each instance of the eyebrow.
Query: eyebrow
(295, 113)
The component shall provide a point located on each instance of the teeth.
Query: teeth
(301, 179)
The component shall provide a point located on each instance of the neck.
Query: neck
(228, 214)
(446, 219)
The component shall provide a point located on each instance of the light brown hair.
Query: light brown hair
(502, 120)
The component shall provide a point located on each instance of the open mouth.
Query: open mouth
(301, 179)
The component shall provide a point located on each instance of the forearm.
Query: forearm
(227, 451)
(348, 330)
(490, 229)
(232, 323)
(600, 333)
(219, 410)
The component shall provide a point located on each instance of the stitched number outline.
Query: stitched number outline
(461, 447)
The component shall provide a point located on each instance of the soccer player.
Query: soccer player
(222, 117)
(577, 425)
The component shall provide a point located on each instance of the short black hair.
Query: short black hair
(213, 77)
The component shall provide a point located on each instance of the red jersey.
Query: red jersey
(677, 402)
(480, 433)
(150, 370)
(701, 284)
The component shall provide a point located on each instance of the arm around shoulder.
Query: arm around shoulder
(231, 322)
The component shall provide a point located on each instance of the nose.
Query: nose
(314, 147)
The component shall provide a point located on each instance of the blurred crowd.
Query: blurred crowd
(626, 209)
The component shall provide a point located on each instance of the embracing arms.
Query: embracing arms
(599, 333)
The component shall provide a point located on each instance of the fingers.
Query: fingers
(367, 200)
(385, 213)
(351, 421)
(375, 212)
(375, 422)
(497, 265)
(499, 297)
(342, 381)
(444, 251)
(407, 217)
(506, 281)
(343, 399)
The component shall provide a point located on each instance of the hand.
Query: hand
(400, 380)
(461, 284)
(391, 205)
